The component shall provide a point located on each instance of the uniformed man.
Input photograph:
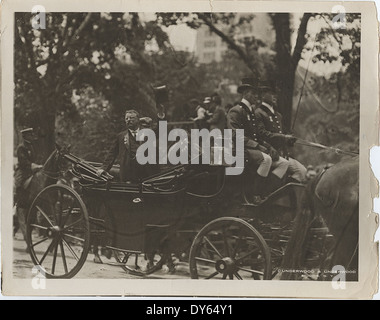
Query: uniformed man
(273, 131)
(260, 154)
(23, 175)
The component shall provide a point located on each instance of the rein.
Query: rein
(51, 174)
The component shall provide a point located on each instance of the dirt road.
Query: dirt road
(23, 266)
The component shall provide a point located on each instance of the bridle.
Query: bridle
(52, 174)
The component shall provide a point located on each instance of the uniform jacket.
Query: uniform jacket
(25, 158)
(239, 117)
(218, 119)
(273, 130)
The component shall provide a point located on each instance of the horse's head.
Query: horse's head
(56, 162)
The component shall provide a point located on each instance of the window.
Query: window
(209, 56)
(209, 44)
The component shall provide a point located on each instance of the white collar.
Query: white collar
(247, 103)
(268, 106)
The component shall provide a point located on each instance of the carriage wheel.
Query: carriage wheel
(58, 232)
(140, 264)
(230, 248)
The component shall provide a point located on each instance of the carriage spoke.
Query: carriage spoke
(70, 212)
(225, 240)
(58, 206)
(39, 242)
(213, 247)
(70, 249)
(44, 215)
(47, 251)
(73, 237)
(63, 257)
(224, 276)
(54, 258)
(251, 271)
(247, 254)
(238, 241)
(212, 275)
(39, 227)
(238, 276)
(73, 224)
(205, 260)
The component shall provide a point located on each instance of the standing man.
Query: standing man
(126, 144)
(23, 176)
(125, 147)
(218, 118)
(260, 154)
(273, 131)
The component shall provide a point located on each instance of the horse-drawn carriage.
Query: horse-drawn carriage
(193, 212)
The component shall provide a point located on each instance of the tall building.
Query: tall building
(210, 47)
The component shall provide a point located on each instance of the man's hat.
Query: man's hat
(267, 85)
(26, 131)
(247, 83)
(161, 94)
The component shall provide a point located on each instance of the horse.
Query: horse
(330, 199)
(48, 175)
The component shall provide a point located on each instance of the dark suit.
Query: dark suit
(124, 148)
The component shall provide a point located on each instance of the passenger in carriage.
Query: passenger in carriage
(218, 117)
(258, 152)
(202, 114)
(273, 130)
(125, 147)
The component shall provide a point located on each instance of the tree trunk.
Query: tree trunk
(286, 62)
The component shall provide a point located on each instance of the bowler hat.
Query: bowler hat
(247, 83)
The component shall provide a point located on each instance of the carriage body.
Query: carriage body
(195, 212)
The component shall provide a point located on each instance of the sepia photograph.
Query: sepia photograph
(149, 148)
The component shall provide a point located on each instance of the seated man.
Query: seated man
(260, 154)
(273, 132)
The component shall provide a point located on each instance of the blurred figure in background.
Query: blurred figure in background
(218, 118)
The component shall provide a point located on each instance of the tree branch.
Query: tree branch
(80, 28)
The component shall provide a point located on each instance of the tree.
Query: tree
(74, 51)
(286, 62)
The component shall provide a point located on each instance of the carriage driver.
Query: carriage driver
(23, 175)
(274, 132)
(258, 152)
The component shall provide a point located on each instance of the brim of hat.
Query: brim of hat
(242, 87)
(265, 88)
